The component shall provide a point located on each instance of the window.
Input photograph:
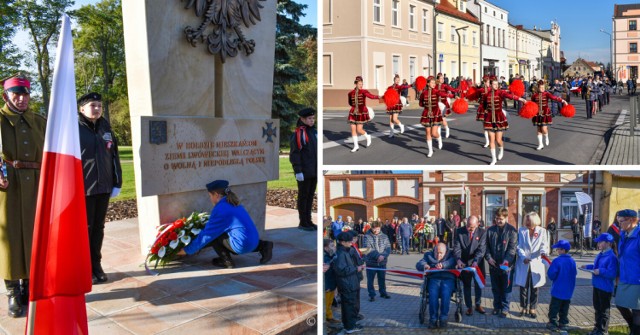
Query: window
(453, 34)
(532, 203)
(501, 16)
(464, 37)
(412, 14)
(568, 208)
(492, 201)
(633, 25)
(326, 68)
(440, 30)
(412, 69)
(454, 69)
(463, 6)
(633, 48)
(494, 13)
(503, 38)
(377, 11)
(474, 39)
(487, 35)
(396, 66)
(425, 21)
(485, 9)
(328, 12)
(395, 13)
(494, 36)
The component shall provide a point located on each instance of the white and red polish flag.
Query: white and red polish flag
(60, 261)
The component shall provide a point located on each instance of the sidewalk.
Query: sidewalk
(193, 297)
(399, 315)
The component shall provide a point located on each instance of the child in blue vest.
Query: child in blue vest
(605, 270)
(563, 273)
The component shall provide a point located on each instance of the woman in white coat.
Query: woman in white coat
(530, 271)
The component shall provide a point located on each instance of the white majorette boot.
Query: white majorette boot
(446, 132)
(493, 157)
(439, 139)
(391, 134)
(540, 145)
(368, 137)
(500, 152)
(546, 139)
(430, 148)
(486, 139)
(355, 144)
(401, 128)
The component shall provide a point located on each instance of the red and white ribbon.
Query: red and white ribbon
(477, 274)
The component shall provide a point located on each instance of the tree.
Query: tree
(100, 51)
(305, 57)
(9, 55)
(289, 32)
(41, 19)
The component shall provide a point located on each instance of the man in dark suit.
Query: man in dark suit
(469, 249)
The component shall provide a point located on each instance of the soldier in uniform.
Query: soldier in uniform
(432, 115)
(397, 108)
(359, 113)
(495, 120)
(102, 173)
(303, 156)
(22, 132)
(543, 119)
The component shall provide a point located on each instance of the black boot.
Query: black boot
(224, 261)
(14, 296)
(24, 288)
(266, 248)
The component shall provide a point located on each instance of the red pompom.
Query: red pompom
(391, 97)
(421, 83)
(460, 106)
(529, 110)
(568, 111)
(517, 88)
(472, 94)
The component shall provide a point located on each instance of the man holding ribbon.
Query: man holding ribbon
(502, 240)
(469, 249)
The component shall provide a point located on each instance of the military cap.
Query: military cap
(358, 78)
(92, 96)
(307, 112)
(629, 213)
(17, 84)
(217, 184)
(344, 237)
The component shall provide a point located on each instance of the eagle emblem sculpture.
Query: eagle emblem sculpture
(226, 16)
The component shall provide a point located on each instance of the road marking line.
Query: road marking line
(333, 144)
(621, 117)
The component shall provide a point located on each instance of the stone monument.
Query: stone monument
(200, 87)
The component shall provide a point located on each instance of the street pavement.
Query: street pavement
(573, 141)
(399, 315)
(191, 296)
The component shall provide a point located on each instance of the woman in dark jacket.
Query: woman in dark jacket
(102, 173)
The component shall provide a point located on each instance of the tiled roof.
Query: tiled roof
(447, 8)
(618, 10)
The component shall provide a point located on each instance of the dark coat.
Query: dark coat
(470, 251)
(100, 159)
(346, 271)
(501, 244)
(303, 152)
(330, 275)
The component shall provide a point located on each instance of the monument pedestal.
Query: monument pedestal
(195, 119)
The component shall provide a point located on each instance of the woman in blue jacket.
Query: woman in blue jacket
(230, 229)
(628, 294)
(605, 271)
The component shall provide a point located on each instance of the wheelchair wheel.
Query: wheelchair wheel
(458, 315)
(424, 300)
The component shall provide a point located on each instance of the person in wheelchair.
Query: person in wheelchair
(440, 284)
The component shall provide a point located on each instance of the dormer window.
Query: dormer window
(463, 6)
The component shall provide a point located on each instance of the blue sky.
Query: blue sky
(580, 23)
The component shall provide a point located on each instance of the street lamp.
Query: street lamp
(460, 49)
(610, 49)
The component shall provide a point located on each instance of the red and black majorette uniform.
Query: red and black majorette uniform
(431, 114)
(397, 108)
(359, 114)
(481, 104)
(446, 88)
(543, 117)
(494, 118)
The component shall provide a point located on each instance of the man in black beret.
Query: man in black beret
(303, 156)
(102, 173)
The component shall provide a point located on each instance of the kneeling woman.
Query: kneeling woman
(359, 113)
(432, 115)
(543, 119)
(495, 120)
(230, 230)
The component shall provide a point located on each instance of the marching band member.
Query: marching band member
(397, 109)
(432, 115)
(359, 113)
(486, 87)
(441, 86)
(544, 118)
(495, 120)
